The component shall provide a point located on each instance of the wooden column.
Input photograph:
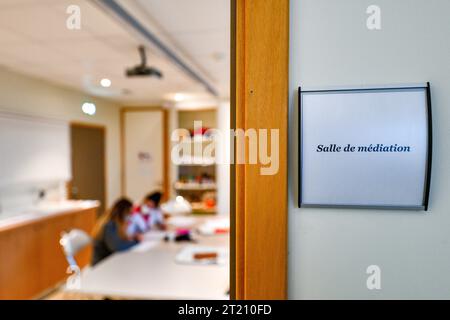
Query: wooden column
(260, 62)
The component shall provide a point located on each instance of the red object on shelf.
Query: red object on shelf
(210, 203)
(200, 131)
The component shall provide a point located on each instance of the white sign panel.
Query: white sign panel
(365, 148)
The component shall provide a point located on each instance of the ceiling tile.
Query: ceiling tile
(40, 23)
(10, 37)
(185, 16)
(34, 40)
(34, 54)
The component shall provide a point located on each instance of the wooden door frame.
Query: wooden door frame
(103, 128)
(259, 99)
(166, 144)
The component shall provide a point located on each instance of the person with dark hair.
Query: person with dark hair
(148, 215)
(110, 232)
(154, 198)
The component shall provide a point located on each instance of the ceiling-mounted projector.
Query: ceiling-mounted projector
(142, 70)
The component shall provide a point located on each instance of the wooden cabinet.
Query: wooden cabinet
(31, 258)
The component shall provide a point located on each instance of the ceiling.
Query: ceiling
(34, 40)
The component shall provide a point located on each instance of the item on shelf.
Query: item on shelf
(209, 135)
(200, 208)
(197, 161)
(184, 135)
(194, 186)
(199, 131)
(210, 203)
(206, 178)
(203, 181)
(209, 200)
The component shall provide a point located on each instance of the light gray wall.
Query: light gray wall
(330, 249)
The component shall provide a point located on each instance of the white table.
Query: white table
(149, 271)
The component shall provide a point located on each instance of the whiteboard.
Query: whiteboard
(33, 150)
(364, 148)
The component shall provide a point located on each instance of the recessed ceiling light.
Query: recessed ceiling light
(106, 83)
(89, 108)
(178, 97)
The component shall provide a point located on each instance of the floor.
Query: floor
(59, 294)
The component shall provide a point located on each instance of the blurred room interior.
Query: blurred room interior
(92, 94)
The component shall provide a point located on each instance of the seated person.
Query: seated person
(110, 232)
(147, 216)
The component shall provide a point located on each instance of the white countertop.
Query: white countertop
(44, 210)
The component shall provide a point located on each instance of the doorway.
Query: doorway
(88, 164)
(144, 151)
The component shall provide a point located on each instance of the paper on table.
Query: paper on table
(150, 241)
(155, 235)
(210, 227)
(181, 222)
(144, 246)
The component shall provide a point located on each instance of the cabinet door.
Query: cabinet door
(53, 264)
(85, 222)
(32, 260)
(20, 272)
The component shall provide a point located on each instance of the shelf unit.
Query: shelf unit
(196, 177)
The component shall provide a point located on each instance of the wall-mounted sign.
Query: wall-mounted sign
(365, 147)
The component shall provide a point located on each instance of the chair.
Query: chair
(73, 242)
